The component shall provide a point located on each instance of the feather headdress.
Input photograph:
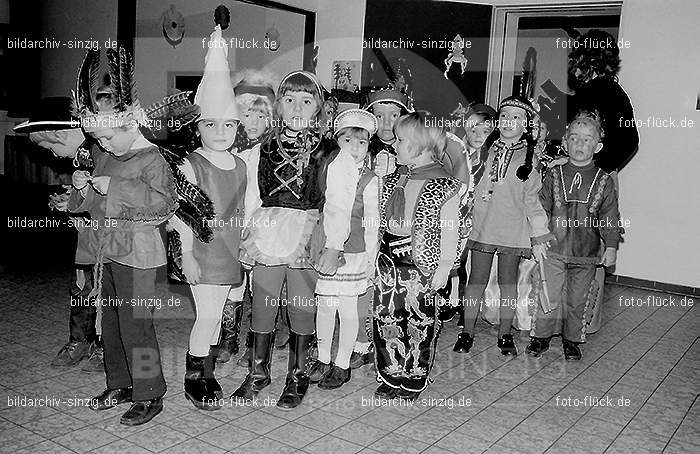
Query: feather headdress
(124, 107)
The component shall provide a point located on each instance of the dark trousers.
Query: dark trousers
(83, 312)
(300, 300)
(570, 291)
(131, 352)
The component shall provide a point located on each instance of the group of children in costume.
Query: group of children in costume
(368, 219)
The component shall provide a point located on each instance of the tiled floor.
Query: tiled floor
(643, 364)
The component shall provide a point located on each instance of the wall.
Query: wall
(339, 32)
(155, 58)
(659, 188)
(76, 23)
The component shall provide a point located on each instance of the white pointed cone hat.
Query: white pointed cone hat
(215, 95)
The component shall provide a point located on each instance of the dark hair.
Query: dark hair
(597, 53)
(525, 169)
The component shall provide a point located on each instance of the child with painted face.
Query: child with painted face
(419, 245)
(339, 289)
(276, 242)
(581, 201)
(508, 219)
(255, 97)
(212, 268)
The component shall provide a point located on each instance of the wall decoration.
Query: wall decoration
(456, 55)
(272, 38)
(346, 75)
(173, 26)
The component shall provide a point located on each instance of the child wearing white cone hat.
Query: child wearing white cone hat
(213, 268)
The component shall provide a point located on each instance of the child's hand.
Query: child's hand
(540, 251)
(100, 184)
(609, 257)
(191, 268)
(442, 274)
(328, 263)
(80, 179)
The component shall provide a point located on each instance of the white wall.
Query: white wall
(339, 33)
(660, 187)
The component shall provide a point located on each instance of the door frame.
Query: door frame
(504, 31)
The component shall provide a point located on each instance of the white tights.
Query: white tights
(346, 306)
(209, 300)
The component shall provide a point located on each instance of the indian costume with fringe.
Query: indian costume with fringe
(581, 203)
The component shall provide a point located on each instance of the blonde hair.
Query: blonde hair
(420, 129)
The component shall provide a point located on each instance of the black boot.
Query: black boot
(297, 380)
(259, 372)
(230, 329)
(209, 376)
(244, 360)
(196, 389)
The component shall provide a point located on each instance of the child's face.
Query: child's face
(512, 122)
(116, 141)
(298, 109)
(354, 144)
(477, 131)
(582, 142)
(217, 134)
(254, 122)
(541, 131)
(387, 114)
(405, 150)
(63, 143)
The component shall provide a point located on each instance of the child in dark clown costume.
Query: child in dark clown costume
(212, 268)
(339, 291)
(291, 179)
(419, 245)
(581, 201)
(508, 219)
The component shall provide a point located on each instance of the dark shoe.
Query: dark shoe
(110, 398)
(230, 329)
(571, 350)
(142, 411)
(358, 360)
(464, 343)
(407, 395)
(538, 345)
(297, 382)
(95, 362)
(244, 360)
(335, 378)
(259, 373)
(385, 391)
(507, 346)
(197, 389)
(71, 354)
(460, 322)
(318, 370)
(209, 374)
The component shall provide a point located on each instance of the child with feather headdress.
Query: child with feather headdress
(129, 193)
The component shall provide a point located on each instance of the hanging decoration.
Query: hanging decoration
(173, 26)
(456, 55)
